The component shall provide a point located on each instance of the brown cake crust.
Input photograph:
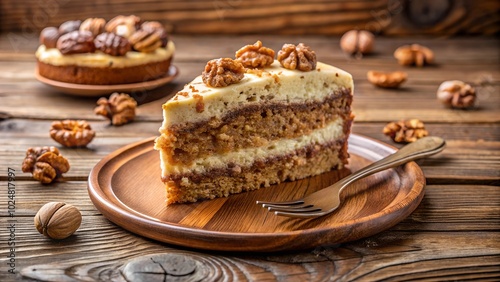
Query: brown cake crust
(252, 126)
(104, 75)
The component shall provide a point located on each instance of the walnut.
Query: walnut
(49, 36)
(123, 25)
(119, 109)
(387, 79)
(405, 131)
(94, 25)
(414, 54)
(112, 44)
(356, 42)
(456, 94)
(76, 42)
(72, 133)
(69, 26)
(45, 163)
(145, 41)
(299, 57)
(57, 220)
(158, 28)
(255, 56)
(222, 72)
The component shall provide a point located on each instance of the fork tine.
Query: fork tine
(309, 208)
(290, 203)
(301, 215)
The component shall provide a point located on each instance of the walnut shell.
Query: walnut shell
(57, 220)
(357, 42)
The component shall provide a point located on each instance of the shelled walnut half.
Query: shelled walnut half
(255, 56)
(456, 94)
(299, 57)
(119, 108)
(72, 133)
(414, 54)
(387, 79)
(405, 131)
(45, 163)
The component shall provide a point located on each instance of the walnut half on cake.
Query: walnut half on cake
(256, 128)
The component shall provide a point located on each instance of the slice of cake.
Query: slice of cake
(121, 51)
(253, 122)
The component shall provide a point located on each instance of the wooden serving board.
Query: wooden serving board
(126, 187)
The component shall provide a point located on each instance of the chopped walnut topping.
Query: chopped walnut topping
(299, 57)
(145, 41)
(223, 72)
(255, 56)
(387, 79)
(119, 109)
(112, 44)
(405, 131)
(456, 94)
(76, 42)
(45, 163)
(72, 133)
(94, 25)
(414, 54)
(200, 106)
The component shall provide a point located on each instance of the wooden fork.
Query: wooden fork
(327, 200)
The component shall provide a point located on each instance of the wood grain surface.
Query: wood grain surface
(389, 17)
(452, 235)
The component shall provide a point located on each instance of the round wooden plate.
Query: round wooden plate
(126, 187)
(98, 90)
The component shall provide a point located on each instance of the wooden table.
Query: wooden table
(452, 235)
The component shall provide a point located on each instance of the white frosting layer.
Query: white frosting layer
(274, 84)
(246, 157)
(52, 56)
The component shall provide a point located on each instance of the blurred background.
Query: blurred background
(297, 17)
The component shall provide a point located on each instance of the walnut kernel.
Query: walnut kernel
(405, 131)
(45, 163)
(223, 72)
(112, 44)
(145, 41)
(387, 79)
(299, 57)
(57, 220)
(414, 54)
(357, 42)
(72, 133)
(76, 42)
(94, 25)
(255, 56)
(119, 108)
(456, 94)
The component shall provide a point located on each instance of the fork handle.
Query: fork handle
(421, 148)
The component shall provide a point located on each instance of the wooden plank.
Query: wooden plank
(281, 17)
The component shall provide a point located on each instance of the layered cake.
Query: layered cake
(98, 52)
(254, 121)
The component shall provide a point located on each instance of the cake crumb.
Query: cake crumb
(200, 106)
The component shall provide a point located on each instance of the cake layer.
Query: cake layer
(98, 59)
(305, 162)
(198, 102)
(104, 75)
(251, 126)
(335, 130)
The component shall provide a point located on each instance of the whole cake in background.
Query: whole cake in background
(254, 121)
(122, 50)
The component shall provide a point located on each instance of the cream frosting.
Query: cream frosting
(247, 156)
(52, 56)
(273, 84)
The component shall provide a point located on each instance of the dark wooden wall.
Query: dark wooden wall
(329, 17)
